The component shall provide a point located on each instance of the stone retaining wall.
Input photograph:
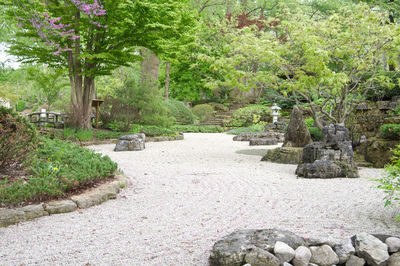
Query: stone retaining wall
(90, 198)
(273, 247)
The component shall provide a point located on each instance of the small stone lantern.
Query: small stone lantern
(275, 112)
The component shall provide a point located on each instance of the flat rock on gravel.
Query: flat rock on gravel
(187, 194)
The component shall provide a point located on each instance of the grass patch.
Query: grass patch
(197, 129)
(250, 129)
(58, 167)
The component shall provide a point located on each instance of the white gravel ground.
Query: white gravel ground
(187, 194)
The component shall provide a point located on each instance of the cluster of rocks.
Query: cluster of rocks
(260, 138)
(333, 157)
(273, 247)
(133, 142)
(296, 137)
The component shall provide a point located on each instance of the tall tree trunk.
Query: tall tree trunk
(167, 70)
(150, 66)
(391, 20)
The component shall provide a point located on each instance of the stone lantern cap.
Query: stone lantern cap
(275, 107)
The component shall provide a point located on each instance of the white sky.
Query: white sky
(8, 60)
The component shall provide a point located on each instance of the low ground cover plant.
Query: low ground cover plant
(250, 129)
(198, 128)
(57, 167)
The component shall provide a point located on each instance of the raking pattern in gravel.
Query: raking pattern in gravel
(187, 194)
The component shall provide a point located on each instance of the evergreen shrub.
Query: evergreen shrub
(182, 114)
(204, 111)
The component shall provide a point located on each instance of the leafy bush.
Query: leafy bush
(182, 114)
(152, 131)
(198, 129)
(204, 111)
(134, 103)
(251, 114)
(390, 180)
(58, 167)
(20, 106)
(309, 122)
(316, 133)
(17, 138)
(390, 131)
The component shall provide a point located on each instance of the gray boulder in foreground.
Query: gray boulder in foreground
(232, 249)
(133, 142)
(370, 248)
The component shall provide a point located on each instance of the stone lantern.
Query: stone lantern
(275, 113)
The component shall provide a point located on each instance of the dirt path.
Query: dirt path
(187, 194)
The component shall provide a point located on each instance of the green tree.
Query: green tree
(331, 62)
(48, 81)
(90, 43)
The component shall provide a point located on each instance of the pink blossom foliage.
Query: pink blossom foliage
(47, 26)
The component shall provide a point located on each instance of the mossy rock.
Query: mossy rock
(378, 151)
(284, 155)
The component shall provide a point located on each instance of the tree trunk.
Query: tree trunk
(167, 70)
(150, 66)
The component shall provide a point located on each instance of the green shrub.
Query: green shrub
(134, 103)
(309, 122)
(197, 129)
(390, 180)
(84, 135)
(316, 133)
(69, 133)
(17, 138)
(152, 131)
(251, 114)
(58, 167)
(20, 106)
(390, 131)
(182, 114)
(204, 111)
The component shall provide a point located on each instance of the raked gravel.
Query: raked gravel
(184, 196)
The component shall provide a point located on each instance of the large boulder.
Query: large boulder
(284, 155)
(297, 134)
(247, 136)
(333, 157)
(233, 249)
(262, 141)
(370, 248)
(133, 142)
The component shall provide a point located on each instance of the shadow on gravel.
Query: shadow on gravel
(256, 152)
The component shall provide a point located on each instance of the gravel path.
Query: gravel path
(187, 194)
